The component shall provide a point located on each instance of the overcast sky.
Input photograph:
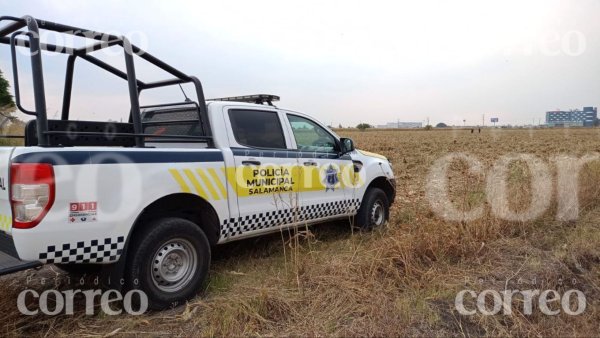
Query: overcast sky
(345, 61)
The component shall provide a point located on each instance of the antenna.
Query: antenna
(187, 99)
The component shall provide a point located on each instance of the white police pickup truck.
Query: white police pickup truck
(148, 198)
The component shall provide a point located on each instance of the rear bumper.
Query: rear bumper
(9, 259)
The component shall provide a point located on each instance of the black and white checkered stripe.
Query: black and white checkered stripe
(95, 251)
(234, 227)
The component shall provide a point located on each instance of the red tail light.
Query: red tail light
(31, 193)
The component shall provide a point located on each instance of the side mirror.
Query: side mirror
(347, 145)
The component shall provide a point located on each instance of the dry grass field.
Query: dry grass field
(399, 280)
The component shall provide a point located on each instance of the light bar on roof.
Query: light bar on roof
(257, 98)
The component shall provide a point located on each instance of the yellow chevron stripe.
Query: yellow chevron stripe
(207, 183)
(5, 222)
(217, 180)
(180, 180)
(195, 183)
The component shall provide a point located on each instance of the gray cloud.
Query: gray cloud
(347, 62)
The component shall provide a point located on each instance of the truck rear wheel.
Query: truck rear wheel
(169, 261)
(374, 210)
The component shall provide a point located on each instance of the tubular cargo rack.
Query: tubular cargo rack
(28, 30)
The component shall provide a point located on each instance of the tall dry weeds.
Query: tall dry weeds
(399, 280)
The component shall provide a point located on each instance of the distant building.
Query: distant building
(576, 118)
(401, 125)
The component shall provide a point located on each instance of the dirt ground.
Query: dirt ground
(399, 280)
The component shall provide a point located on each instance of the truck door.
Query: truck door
(324, 189)
(265, 175)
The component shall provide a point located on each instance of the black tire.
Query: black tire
(369, 216)
(80, 269)
(157, 237)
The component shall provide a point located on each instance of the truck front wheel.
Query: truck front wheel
(168, 260)
(374, 210)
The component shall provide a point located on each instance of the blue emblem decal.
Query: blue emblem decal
(331, 178)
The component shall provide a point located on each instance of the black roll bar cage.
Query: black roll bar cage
(9, 34)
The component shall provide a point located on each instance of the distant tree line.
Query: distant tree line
(9, 124)
(363, 126)
(7, 105)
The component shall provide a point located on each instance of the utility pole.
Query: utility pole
(483, 120)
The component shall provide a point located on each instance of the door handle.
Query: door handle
(251, 162)
(310, 163)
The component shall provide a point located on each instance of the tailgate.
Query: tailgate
(5, 211)
(9, 260)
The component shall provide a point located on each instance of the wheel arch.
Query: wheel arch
(185, 205)
(386, 184)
